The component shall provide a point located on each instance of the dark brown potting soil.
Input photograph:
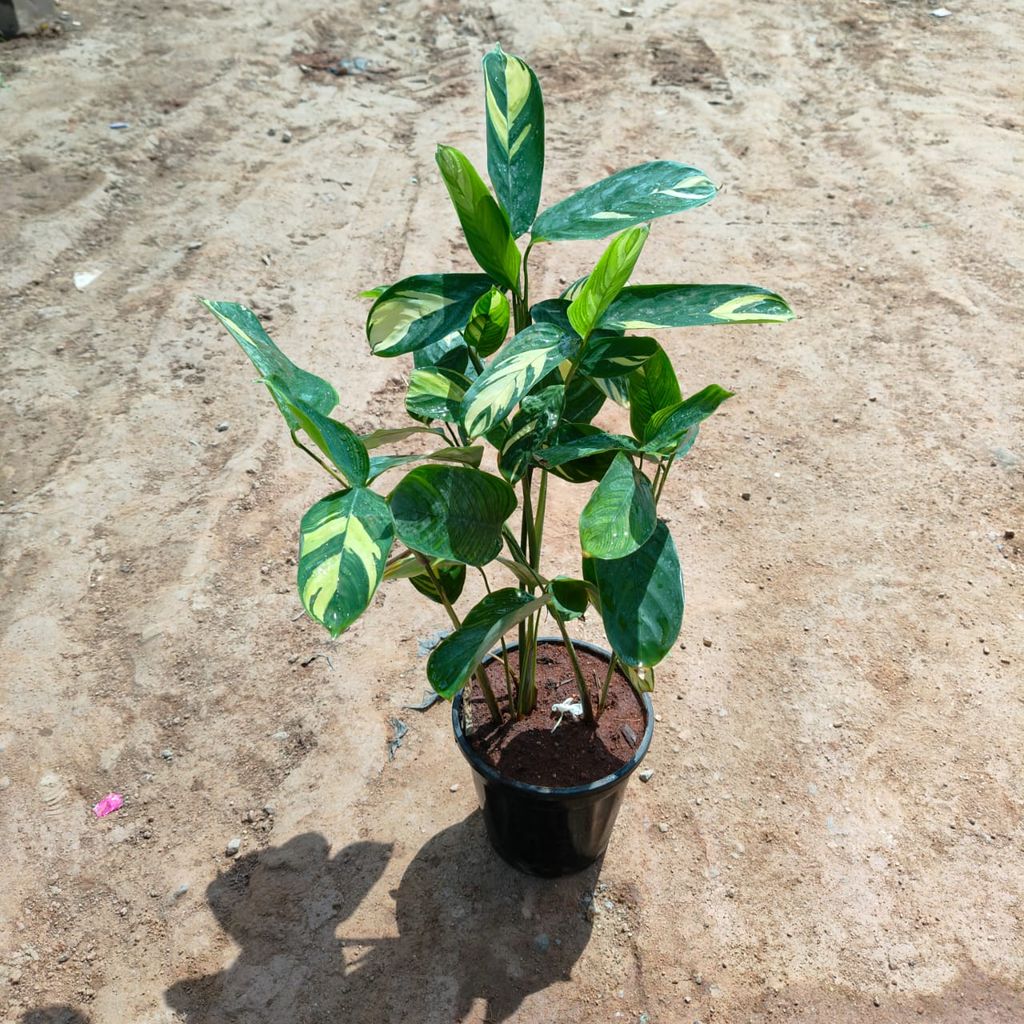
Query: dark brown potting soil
(574, 753)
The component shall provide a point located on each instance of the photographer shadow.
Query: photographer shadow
(470, 928)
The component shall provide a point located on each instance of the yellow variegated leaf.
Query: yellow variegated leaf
(436, 394)
(515, 136)
(629, 197)
(651, 306)
(422, 310)
(529, 357)
(343, 548)
(484, 223)
(606, 280)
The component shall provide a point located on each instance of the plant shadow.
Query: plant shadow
(469, 928)
(54, 1015)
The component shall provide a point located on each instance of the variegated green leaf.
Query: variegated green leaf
(483, 222)
(647, 307)
(581, 465)
(585, 445)
(392, 435)
(436, 394)
(343, 547)
(488, 325)
(629, 197)
(530, 429)
(569, 596)
(515, 136)
(454, 659)
(524, 573)
(451, 576)
(422, 310)
(380, 464)
(620, 515)
(334, 439)
(244, 326)
(583, 399)
(641, 599)
(374, 293)
(606, 280)
(449, 353)
(616, 355)
(452, 512)
(615, 388)
(529, 357)
(667, 428)
(652, 387)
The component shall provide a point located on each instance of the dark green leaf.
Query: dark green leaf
(583, 399)
(583, 445)
(651, 388)
(629, 197)
(616, 355)
(436, 394)
(641, 599)
(666, 429)
(344, 545)
(380, 464)
(521, 365)
(515, 136)
(243, 325)
(489, 322)
(452, 662)
(483, 222)
(606, 280)
(334, 439)
(620, 515)
(647, 307)
(422, 310)
(452, 512)
(574, 466)
(569, 597)
(530, 429)
(451, 577)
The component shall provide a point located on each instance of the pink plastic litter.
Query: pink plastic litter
(110, 803)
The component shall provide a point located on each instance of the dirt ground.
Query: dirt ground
(840, 770)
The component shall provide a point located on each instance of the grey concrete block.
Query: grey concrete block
(18, 17)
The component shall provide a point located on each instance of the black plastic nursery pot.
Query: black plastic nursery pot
(550, 831)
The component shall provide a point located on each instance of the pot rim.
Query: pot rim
(492, 774)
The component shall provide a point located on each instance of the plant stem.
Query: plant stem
(481, 674)
(475, 359)
(581, 683)
(538, 529)
(663, 468)
(316, 458)
(607, 682)
(504, 655)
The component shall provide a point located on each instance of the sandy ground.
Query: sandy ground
(840, 771)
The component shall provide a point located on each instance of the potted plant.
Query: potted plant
(552, 727)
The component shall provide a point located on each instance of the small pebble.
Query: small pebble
(221, 427)
(195, 245)
(167, 754)
(234, 845)
(707, 641)
(268, 810)
(1008, 534)
(453, 788)
(286, 136)
(542, 943)
(745, 495)
(181, 890)
(663, 826)
(647, 774)
(985, 650)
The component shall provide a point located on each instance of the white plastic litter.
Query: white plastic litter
(940, 12)
(84, 278)
(569, 707)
